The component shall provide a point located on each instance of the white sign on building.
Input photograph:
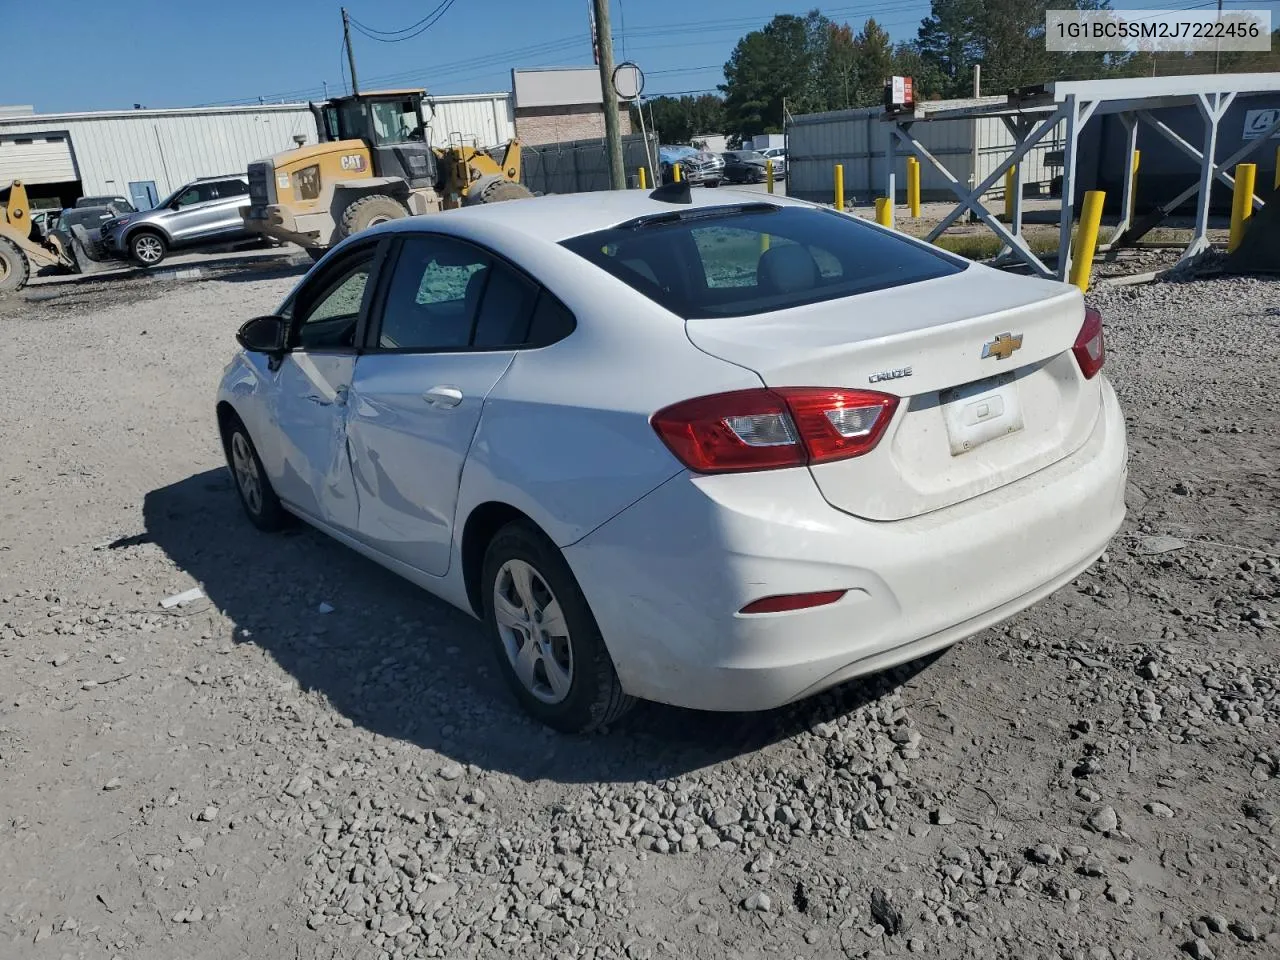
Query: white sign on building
(1257, 122)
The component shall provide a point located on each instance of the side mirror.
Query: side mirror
(264, 335)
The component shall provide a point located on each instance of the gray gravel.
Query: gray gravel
(316, 759)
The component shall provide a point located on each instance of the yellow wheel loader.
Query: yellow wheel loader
(374, 162)
(20, 250)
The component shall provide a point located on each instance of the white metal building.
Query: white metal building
(146, 154)
(971, 148)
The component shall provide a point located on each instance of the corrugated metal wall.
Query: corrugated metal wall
(36, 158)
(858, 139)
(170, 147)
(486, 117)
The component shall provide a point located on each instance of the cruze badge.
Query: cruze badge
(895, 374)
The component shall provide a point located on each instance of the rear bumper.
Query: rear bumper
(665, 577)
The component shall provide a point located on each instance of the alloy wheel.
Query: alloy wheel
(148, 249)
(246, 470)
(534, 633)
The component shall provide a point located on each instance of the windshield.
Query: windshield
(737, 261)
(396, 121)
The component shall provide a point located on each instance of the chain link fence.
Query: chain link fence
(579, 166)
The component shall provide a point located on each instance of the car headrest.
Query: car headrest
(786, 269)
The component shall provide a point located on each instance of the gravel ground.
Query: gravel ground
(318, 760)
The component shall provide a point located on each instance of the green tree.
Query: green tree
(680, 119)
(770, 67)
(875, 62)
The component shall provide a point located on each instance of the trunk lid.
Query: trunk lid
(967, 423)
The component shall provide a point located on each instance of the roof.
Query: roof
(38, 118)
(406, 92)
(558, 217)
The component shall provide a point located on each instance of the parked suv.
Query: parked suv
(202, 213)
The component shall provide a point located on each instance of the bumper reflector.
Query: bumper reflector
(793, 601)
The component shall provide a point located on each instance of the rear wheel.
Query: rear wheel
(497, 190)
(370, 211)
(256, 493)
(545, 638)
(14, 268)
(147, 248)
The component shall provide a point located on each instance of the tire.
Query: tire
(148, 248)
(370, 211)
(570, 683)
(15, 269)
(712, 183)
(497, 190)
(257, 496)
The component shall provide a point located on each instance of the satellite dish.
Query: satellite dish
(628, 81)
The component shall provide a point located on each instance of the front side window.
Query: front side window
(197, 193)
(396, 121)
(738, 261)
(327, 311)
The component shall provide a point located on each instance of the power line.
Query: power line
(421, 27)
(392, 33)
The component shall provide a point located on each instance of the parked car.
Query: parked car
(649, 482)
(45, 220)
(204, 212)
(779, 157)
(696, 166)
(744, 166)
(76, 232)
(116, 203)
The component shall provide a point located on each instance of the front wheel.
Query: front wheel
(14, 268)
(147, 249)
(257, 496)
(545, 638)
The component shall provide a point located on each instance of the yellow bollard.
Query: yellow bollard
(675, 171)
(913, 186)
(768, 179)
(1087, 239)
(1010, 184)
(1242, 202)
(643, 180)
(1133, 194)
(764, 242)
(884, 212)
(839, 186)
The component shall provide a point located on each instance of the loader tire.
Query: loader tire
(369, 212)
(14, 267)
(496, 190)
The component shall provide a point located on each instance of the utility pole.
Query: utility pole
(612, 128)
(351, 57)
(1217, 44)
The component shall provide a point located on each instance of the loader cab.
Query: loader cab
(392, 125)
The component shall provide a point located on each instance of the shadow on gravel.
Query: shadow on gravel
(404, 665)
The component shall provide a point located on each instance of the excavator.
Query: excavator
(374, 163)
(21, 250)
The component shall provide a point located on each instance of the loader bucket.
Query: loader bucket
(1259, 250)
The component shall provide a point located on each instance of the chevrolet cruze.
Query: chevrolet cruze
(711, 450)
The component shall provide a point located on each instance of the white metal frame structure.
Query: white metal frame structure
(1031, 116)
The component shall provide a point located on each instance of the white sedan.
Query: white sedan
(707, 450)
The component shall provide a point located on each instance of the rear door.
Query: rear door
(231, 196)
(450, 320)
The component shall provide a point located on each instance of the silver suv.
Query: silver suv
(202, 213)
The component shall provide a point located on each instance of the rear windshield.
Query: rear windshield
(737, 261)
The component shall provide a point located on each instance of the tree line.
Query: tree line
(812, 64)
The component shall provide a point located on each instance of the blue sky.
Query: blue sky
(166, 53)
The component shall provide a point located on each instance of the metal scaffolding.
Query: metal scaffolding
(1031, 115)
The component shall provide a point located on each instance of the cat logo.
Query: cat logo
(353, 161)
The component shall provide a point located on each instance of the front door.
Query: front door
(452, 319)
(311, 469)
(195, 211)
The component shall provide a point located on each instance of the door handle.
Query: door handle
(443, 396)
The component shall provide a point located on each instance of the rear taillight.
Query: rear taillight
(767, 429)
(1089, 350)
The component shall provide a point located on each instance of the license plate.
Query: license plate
(981, 411)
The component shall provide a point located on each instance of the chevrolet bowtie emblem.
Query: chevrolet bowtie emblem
(1002, 347)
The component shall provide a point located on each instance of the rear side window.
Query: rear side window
(731, 262)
